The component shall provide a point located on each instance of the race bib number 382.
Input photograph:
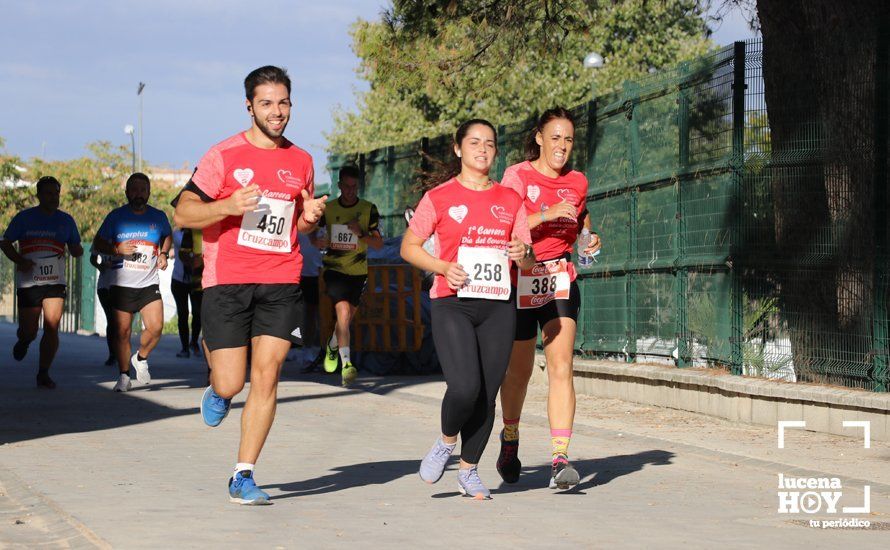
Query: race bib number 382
(542, 284)
(488, 270)
(269, 226)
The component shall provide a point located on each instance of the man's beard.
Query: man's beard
(268, 132)
(138, 203)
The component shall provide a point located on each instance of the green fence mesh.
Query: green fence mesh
(690, 201)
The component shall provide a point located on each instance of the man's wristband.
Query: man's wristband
(166, 253)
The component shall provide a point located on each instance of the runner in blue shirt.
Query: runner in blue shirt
(42, 234)
(139, 237)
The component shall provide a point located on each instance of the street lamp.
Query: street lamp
(130, 131)
(593, 61)
(139, 93)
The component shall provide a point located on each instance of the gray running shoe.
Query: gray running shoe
(563, 475)
(433, 464)
(469, 484)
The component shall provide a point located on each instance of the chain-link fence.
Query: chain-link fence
(702, 264)
(79, 312)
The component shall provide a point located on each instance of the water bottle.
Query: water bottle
(583, 259)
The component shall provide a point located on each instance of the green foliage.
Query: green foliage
(172, 326)
(92, 185)
(434, 63)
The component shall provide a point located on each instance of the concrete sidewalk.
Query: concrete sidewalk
(81, 466)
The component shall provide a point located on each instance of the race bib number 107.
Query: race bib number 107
(488, 270)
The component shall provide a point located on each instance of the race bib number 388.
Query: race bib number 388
(269, 226)
(488, 270)
(542, 284)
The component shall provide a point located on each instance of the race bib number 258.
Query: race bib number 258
(488, 270)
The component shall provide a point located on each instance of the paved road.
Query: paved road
(81, 466)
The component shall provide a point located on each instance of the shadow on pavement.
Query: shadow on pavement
(347, 477)
(594, 471)
(80, 404)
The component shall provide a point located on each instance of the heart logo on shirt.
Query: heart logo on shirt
(567, 195)
(458, 213)
(533, 192)
(500, 213)
(288, 179)
(243, 176)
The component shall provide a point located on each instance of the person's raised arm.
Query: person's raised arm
(194, 213)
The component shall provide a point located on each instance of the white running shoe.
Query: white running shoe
(141, 368)
(123, 383)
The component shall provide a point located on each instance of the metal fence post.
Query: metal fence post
(502, 150)
(631, 95)
(682, 275)
(880, 377)
(590, 170)
(737, 162)
(87, 296)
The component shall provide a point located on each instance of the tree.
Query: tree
(434, 63)
(92, 186)
(825, 74)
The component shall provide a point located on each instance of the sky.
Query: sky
(71, 68)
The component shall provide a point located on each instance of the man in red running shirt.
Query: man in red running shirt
(251, 194)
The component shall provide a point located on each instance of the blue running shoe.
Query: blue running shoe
(243, 490)
(214, 408)
(433, 464)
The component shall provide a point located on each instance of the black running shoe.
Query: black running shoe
(563, 475)
(508, 464)
(20, 350)
(44, 381)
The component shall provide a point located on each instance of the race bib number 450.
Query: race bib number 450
(342, 238)
(269, 226)
(488, 270)
(542, 284)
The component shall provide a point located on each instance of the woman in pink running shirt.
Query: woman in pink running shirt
(480, 229)
(548, 297)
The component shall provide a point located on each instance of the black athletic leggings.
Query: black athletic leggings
(473, 340)
(182, 292)
(111, 325)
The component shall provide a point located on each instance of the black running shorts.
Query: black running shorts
(342, 287)
(529, 320)
(33, 296)
(132, 300)
(233, 314)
